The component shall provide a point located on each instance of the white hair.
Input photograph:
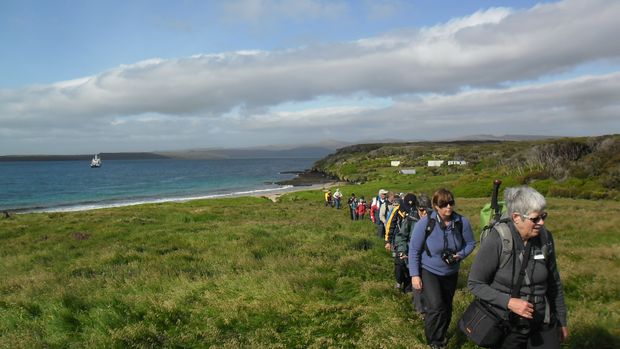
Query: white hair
(524, 200)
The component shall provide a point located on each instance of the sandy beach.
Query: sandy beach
(273, 196)
(305, 180)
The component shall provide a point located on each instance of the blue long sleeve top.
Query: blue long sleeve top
(440, 238)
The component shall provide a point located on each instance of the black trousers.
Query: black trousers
(529, 335)
(438, 292)
(417, 301)
(401, 272)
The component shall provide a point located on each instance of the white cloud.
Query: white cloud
(187, 98)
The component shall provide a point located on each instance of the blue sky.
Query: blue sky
(138, 75)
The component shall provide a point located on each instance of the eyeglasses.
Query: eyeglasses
(445, 204)
(536, 220)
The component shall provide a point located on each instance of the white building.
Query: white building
(395, 163)
(407, 171)
(457, 162)
(435, 163)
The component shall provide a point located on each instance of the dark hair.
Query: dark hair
(442, 196)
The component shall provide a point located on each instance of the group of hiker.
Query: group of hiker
(357, 206)
(428, 240)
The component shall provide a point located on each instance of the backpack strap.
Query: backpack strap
(503, 230)
(458, 225)
(430, 225)
(388, 222)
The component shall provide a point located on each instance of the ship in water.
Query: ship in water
(95, 162)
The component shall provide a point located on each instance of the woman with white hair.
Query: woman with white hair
(536, 312)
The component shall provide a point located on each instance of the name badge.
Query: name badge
(539, 255)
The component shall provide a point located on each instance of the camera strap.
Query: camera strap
(455, 229)
(445, 236)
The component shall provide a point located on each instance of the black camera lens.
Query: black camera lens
(448, 257)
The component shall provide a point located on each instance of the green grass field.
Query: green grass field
(247, 272)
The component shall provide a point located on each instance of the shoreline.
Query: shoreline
(275, 195)
(270, 193)
(306, 180)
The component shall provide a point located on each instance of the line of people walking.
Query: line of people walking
(428, 240)
(357, 206)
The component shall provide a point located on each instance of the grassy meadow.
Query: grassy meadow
(248, 272)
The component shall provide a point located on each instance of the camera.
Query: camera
(448, 257)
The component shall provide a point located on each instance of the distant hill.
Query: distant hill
(578, 167)
(250, 153)
(310, 152)
(504, 138)
(104, 157)
(480, 137)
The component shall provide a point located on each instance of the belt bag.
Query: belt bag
(482, 325)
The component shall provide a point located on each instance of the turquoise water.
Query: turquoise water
(73, 185)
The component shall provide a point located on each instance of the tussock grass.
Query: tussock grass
(247, 272)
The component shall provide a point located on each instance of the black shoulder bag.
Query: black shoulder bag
(481, 324)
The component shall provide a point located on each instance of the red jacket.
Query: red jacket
(361, 208)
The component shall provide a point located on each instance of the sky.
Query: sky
(79, 77)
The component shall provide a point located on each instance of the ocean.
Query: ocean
(51, 186)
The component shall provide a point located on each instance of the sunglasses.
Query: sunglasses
(445, 204)
(536, 220)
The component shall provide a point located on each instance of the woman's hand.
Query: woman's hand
(563, 334)
(521, 307)
(388, 247)
(416, 282)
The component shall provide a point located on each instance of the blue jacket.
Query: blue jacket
(418, 258)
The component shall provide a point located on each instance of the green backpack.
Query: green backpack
(487, 214)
